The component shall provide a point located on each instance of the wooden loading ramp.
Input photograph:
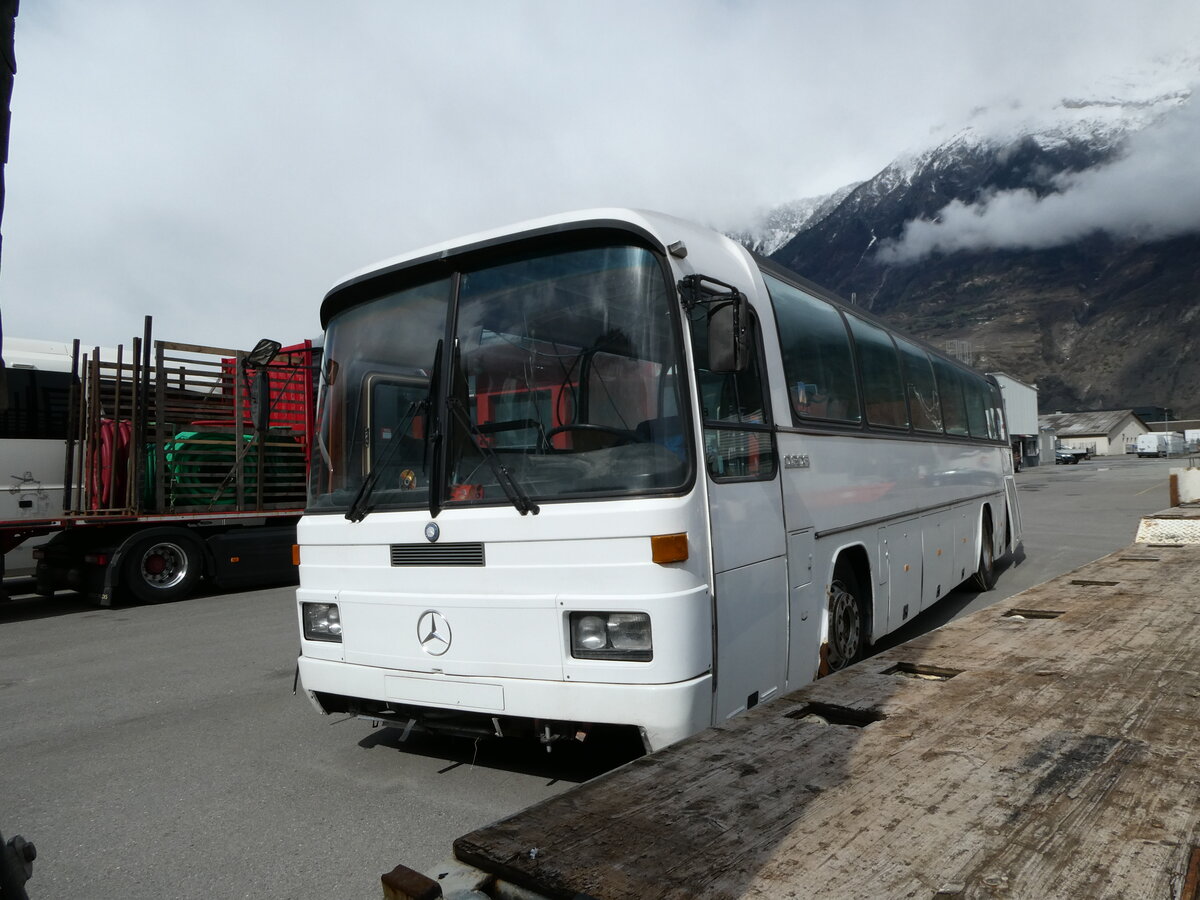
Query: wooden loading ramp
(1047, 746)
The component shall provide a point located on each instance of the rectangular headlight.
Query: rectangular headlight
(321, 621)
(611, 635)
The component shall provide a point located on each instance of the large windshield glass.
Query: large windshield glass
(373, 413)
(560, 379)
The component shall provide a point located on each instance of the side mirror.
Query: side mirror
(728, 337)
(260, 401)
(262, 354)
(259, 387)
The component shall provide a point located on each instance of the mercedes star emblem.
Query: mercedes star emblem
(433, 631)
(432, 532)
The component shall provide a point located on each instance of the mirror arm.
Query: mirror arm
(695, 289)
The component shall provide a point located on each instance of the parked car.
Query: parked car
(1065, 457)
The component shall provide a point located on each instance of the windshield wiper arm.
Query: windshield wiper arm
(360, 505)
(516, 496)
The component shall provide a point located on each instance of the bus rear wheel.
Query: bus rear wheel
(162, 569)
(847, 628)
(984, 578)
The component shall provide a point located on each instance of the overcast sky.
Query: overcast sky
(221, 165)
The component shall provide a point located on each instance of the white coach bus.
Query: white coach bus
(610, 468)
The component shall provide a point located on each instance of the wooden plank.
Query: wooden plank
(1059, 762)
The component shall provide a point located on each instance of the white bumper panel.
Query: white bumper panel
(667, 712)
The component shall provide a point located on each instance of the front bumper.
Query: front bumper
(665, 713)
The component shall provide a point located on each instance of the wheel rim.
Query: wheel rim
(845, 627)
(164, 565)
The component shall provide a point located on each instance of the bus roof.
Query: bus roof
(660, 228)
(29, 353)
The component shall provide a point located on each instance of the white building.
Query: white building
(1021, 414)
(1102, 433)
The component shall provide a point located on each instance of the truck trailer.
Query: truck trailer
(145, 471)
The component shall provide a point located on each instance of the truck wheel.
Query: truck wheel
(161, 569)
(847, 640)
(984, 578)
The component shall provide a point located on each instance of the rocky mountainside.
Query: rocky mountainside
(1045, 251)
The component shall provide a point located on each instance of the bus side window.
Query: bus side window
(921, 387)
(954, 403)
(817, 360)
(976, 390)
(996, 423)
(883, 385)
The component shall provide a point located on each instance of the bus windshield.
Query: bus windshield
(548, 376)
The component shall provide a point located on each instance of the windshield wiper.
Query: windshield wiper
(360, 506)
(516, 496)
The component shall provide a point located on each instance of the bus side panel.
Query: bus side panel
(939, 574)
(900, 557)
(1013, 511)
(805, 599)
(34, 469)
(966, 541)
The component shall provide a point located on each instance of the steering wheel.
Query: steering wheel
(622, 435)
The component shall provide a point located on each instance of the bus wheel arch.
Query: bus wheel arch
(848, 610)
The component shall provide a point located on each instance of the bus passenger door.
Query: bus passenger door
(751, 589)
(750, 577)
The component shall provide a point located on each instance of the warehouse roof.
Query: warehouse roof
(1086, 424)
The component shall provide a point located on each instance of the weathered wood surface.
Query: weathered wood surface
(1063, 761)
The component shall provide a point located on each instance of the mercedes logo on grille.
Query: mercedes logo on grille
(433, 631)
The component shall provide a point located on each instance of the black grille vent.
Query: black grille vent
(437, 555)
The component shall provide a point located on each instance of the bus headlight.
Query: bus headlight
(321, 622)
(611, 635)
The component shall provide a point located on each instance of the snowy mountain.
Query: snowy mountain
(1063, 244)
(1098, 127)
(780, 224)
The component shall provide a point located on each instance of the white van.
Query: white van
(1158, 443)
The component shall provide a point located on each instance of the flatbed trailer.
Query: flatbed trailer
(175, 462)
(1046, 746)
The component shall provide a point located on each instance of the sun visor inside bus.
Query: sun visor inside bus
(727, 335)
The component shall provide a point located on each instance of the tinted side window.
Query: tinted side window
(817, 360)
(976, 390)
(996, 430)
(920, 387)
(883, 385)
(954, 405)
(37, 404)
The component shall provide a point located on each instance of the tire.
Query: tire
(163, 568)
(984, 578)
(847, 625)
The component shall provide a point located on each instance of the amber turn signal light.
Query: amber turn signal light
(669, 548)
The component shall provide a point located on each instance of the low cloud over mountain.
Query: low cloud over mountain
(1066, 254)
(1150, 192)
